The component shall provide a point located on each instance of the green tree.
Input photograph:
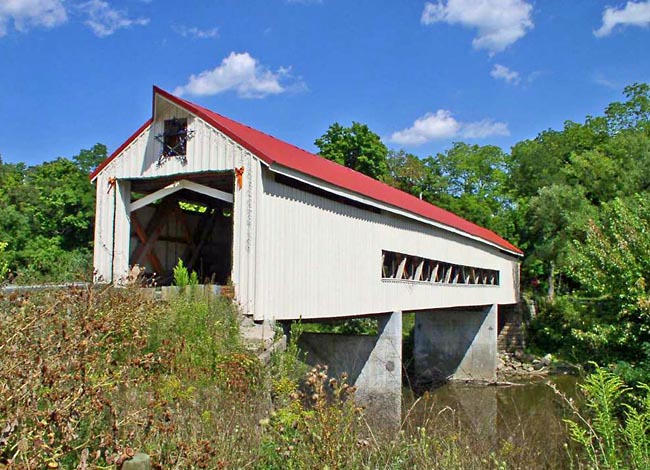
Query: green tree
(540, 162)
(421, 177)
(88, 160)
(46, 216)
(630, 114)
(612, 265)
(356, 147)
(554, 217)
(561, 178)
(475, 185)
(65, 202)
(15, 220)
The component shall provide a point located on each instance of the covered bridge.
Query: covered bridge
(297, 235)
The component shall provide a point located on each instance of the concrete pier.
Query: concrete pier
(459, 344)
(373, 365)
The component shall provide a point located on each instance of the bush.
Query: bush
(318, 428)
(182, 277)
(551, 330)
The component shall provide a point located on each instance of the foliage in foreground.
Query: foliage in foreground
(614, 432)
(87, 374)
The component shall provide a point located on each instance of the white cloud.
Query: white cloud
(483, 129)
(27, 13)
(197, 33)
(242, 73)
(105, 20)
(431, 126)
(501, 72)
(443, 125)
(633, 14)
(500, 23)
(603, 81)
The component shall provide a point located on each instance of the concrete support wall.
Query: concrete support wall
(373, 364)
(457, 344)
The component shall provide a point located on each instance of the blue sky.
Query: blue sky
(421, 74)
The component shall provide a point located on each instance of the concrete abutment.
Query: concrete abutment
(373, 364)
(457, 344)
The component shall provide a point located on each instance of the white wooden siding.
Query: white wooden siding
(319, 258)
(208, 151)
(104, 226)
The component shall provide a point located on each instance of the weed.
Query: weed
(613, 434)
(86, 374)
(184, 278)
(319, 427)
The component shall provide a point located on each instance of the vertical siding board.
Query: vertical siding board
(252, 184)
(122, 230)
(103, 244)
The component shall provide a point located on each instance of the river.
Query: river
(522, 423)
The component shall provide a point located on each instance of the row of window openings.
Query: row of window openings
(414, 268)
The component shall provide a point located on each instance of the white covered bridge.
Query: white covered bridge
(297, 235)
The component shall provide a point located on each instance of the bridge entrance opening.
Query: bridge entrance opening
(188, 220)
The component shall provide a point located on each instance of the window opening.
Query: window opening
(174, 140)
(399, 266)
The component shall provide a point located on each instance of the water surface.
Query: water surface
(522, 422)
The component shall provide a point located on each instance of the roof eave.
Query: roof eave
(119, 150)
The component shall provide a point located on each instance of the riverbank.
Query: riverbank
(519, 365)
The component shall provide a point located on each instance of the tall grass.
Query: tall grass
(86, 374)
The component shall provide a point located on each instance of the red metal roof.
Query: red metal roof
(275, 151)
(119, 150)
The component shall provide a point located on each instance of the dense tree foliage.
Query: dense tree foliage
(475, 179)
(47, 214)
(356, 147)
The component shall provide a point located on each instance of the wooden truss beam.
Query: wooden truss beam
(152, 232)
(142, 236)
(177, 186)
